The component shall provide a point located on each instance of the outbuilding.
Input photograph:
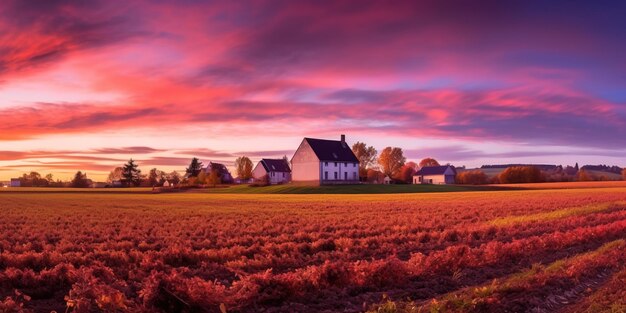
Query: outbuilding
(439, 175)
(277, 171)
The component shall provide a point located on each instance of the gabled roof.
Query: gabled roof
(275, 165)
(332, 150)
(219, 167)
(434, 170)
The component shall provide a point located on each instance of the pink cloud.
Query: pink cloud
(475, 72)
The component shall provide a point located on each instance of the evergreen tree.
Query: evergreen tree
(131, 175)
(194, 168)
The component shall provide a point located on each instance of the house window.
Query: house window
(353, 164)
(420, 179)
(283, 175)
(345, 164)
(354, 175)
(325, 163)
(345, 176)
(326, 175)
(335, 164)
(335, 175)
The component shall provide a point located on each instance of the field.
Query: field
(478, 251)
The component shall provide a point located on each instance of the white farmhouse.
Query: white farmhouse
(276, 170)
(435, 175)
(324, 162)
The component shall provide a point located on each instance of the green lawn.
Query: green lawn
(345, 189)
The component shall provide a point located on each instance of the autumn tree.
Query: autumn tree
(115, 175)
(214, 178)
(391, 159)
(243, 165)
(375, 176)
(428, 162)
(583, 175)
(366, 156)
(33, 179)
(131, 174)
(174, 178)
(475, 177)
(520, 174)
(624, 174)
(156, 177)
(201, 179)
(406, 173)
(194, 167)
(80, 180)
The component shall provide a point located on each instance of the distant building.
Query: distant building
(435, 175)
(99, 185)
(386, 180)
(276, 170)
(238, 180)
(222, 172)
(15, 182)
(323, 162)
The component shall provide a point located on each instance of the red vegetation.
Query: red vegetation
(186, 252)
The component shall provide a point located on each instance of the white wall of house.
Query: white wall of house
(339, 171)
(258, 171)
(278, 177)
(430, 179)
(447, 178)
(274, 177)
(305, 166)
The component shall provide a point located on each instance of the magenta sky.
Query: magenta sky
(85, 85)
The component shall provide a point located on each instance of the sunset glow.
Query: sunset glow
(88, 85)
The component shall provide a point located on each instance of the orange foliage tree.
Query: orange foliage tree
(475, 177)
(429, 162)
(391, 161)
(405, 174)
(584, 176)
(520, 174)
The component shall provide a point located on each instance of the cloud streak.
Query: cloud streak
(546, 74)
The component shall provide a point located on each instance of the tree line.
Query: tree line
(390, 163)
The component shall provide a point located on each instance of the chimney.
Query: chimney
(343, 138)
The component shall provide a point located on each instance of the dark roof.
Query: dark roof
(275, 165)
(434, 170)
(332, 150)
(221, 168)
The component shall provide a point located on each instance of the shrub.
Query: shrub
(475, 177)
(521, 174)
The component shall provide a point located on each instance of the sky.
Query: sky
(86, 85)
